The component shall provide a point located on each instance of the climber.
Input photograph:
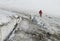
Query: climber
(40, 13)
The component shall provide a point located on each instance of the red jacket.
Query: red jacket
(40, 12)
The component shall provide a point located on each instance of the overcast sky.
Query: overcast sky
(51, 7)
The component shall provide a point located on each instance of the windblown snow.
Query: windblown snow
(17, 24)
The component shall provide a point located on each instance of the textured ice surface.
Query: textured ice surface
(31, 28)
(37, 29)
(5, 16)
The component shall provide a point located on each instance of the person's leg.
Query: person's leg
(40, 15)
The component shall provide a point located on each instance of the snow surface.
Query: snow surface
(29, 25)
(7, 22)
(5, 16)
(35, 29)
(27, 9)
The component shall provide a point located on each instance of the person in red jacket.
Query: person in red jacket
(40, 12)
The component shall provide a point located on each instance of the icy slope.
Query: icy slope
(5, 16)
(36, 29)
(30, 27)
(8, 21)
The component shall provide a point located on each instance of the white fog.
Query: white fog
(51, 7)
